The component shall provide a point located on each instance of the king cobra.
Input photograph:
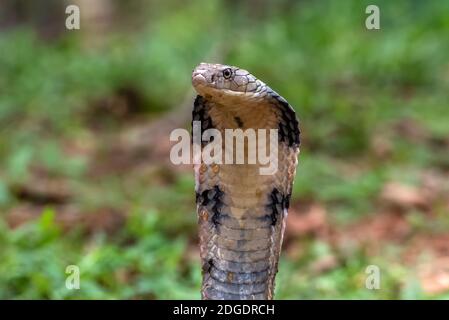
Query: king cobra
(242, 213)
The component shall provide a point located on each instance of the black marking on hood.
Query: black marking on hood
(201, 113)
(278, 202)
(212, 200)
(239, 122)
(288, 126)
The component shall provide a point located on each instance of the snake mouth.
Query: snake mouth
(199, 79)
(201, 76)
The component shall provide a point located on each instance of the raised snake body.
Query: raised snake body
(242, 213)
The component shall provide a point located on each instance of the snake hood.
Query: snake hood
(241, 213)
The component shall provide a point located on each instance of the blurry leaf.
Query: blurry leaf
(19, 161)
(5, 195)
(47, 224)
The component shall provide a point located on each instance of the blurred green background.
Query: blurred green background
(85, 116)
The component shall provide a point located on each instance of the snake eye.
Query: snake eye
(227, 73)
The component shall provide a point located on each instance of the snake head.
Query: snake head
(219, 82)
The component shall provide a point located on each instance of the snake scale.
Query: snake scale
(242, 213)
